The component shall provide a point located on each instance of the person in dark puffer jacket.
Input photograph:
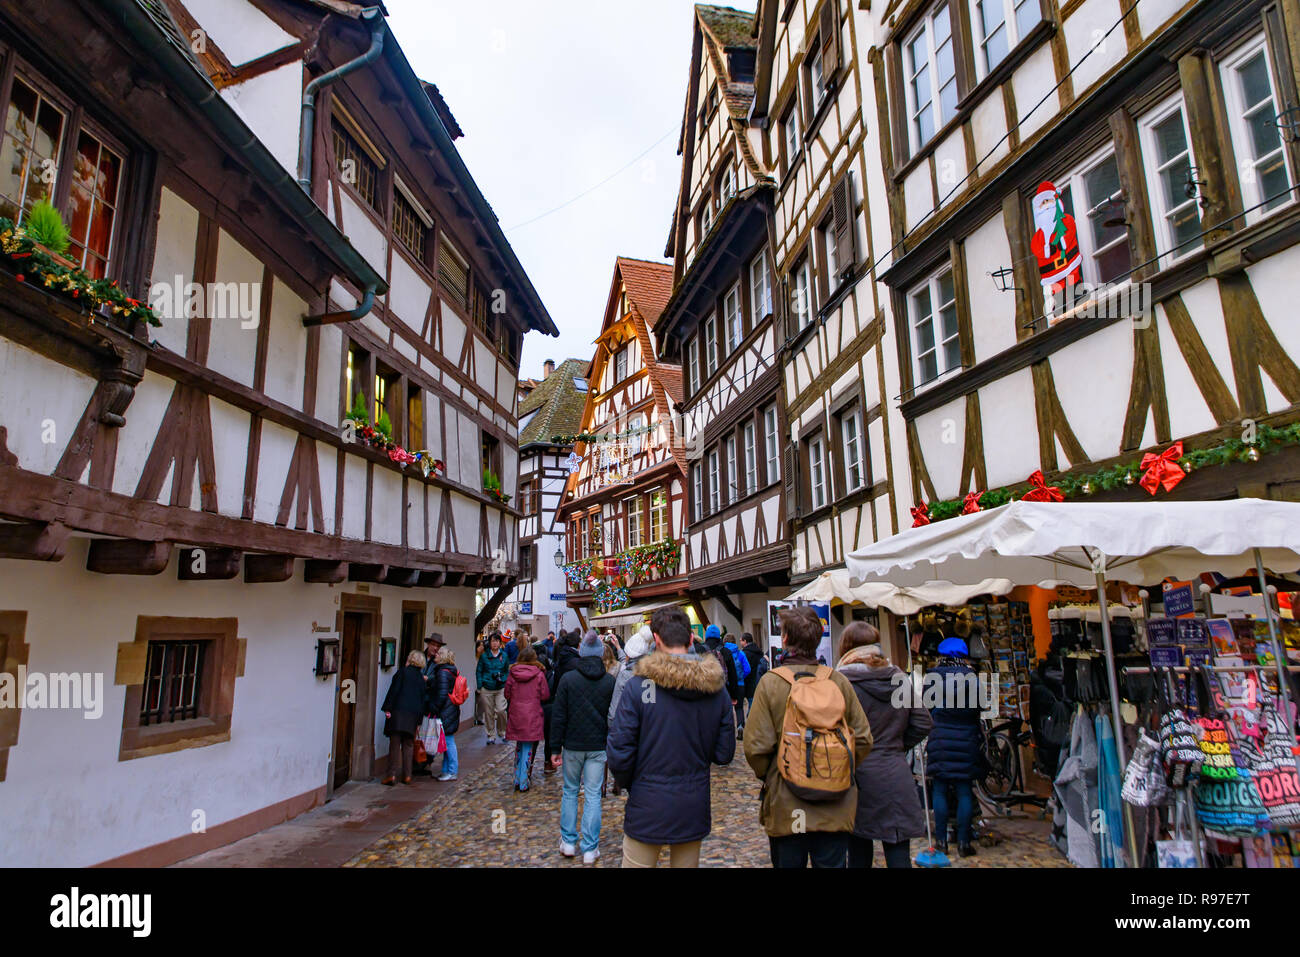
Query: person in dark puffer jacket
(954, 754)
(579, 725)
(674, 720)
(562, 662)
(444, 709)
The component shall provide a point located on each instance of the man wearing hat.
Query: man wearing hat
(432, 645)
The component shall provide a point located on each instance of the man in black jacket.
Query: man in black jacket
(674, 720)
(579, 725)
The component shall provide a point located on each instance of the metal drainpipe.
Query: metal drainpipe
(307, 133)
(307, 126)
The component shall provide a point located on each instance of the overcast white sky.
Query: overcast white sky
(555, 97)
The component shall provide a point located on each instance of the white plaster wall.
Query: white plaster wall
(1188, 412)
(136, 438)
(1092, 379)
(942, 436)
(41, 402)
(271, 104)
(1081, 31)
(1274, 284)
(286, 348)
(178, 228)
(386, 512)
(327, 457)
(918, 195)
(1031, 83)
(1010, 428)
(232, 347)
(230, 452)
(989, 127)
(1152, 14)
(992, 313)
(272, 471)
(950, 164)
(354, 497)
(409, 295)
(242, 31)
(365, 236)
(328, 384)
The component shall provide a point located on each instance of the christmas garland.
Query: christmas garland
(1152, 471)
(590, 437)
(32, 263)
(610, 596)
(629, 565)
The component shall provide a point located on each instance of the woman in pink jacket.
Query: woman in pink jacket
(526, 689)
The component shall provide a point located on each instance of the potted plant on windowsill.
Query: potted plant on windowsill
(492, 486)
(45, 228)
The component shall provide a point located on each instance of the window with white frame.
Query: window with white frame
(826, 238)
(790, 134)
(732, 316)
(658, 516)
(697, 491)
(936, 343)
(1167, 153)
(817, 472)
(635, 529)
(931, 76)
(760, 287)
(1252, 111)
(636, 440)
(727, 186)
(802, 293)
(751, 461)
(997, 26)
(851, 433)
(1092, 195)
(693, 362)
(620, 365)
(771, 443)
(732, 485)
(715, 499)
(816, 79)
(710, 345)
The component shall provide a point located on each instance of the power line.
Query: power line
(592, 189)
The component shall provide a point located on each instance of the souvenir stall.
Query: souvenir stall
(1085, 545)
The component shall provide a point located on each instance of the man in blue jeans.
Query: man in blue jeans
(579, 725)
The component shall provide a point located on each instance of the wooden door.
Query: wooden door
(353, 624)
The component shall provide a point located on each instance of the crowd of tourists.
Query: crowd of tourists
(652, 716)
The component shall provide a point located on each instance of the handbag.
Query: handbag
(1144, 778)
(1272, 764)
(428, 736)
(441, 746)
(1227, 799)
(1180, 750)
(420, 755)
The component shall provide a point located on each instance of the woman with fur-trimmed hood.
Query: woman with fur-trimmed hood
(674, 720)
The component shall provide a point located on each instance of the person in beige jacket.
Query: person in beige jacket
(800, 830)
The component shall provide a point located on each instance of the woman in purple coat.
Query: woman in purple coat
(526, 689)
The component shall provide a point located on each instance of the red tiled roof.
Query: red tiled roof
(649, 286)
(670, 377)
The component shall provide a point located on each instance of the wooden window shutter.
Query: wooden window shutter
(791, 477)
(842, 207)
(829, 31)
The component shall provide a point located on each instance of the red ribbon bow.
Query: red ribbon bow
(971, 503)
(1041, 491)
(1163, 469)
(920, 515)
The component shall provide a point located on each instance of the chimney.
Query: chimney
(547, 368)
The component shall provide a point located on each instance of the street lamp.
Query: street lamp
(559, 557)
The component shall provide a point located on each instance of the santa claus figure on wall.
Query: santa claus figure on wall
(1055, 244)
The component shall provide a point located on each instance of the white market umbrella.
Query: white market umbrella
(1081, 543)
(834, 587)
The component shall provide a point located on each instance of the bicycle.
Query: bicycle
(1003, 784)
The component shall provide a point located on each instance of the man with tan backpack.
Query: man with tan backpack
(805, 735)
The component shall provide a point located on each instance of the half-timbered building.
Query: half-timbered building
(842, 448)
(237, 521)
(1151, 150)
(719, 326)
(549, 415)
(624, 504)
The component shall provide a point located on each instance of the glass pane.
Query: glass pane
(1114, 262)
(921, 88)
(924, 126)
(49, 131)
(929, 367)
(1028, 14)
(1273, 181)
(948, 101)
(1264, 134)
(995, 47)
(1185, 224)
(85, 165)
(1170, 137)
(110, 171)
(942, 29)
(1173, 182)
(952, 355)
(948, 319)
(79, 221)
(925, 336)
(947, 291)
(1253, 74)
(13, 162)
(991, 17)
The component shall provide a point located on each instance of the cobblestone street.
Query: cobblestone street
(482, 822)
